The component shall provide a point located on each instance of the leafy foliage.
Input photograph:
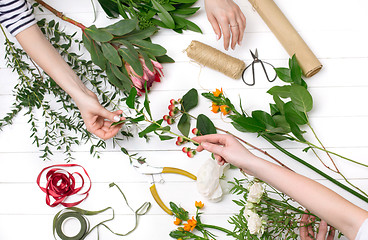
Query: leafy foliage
(169, 14)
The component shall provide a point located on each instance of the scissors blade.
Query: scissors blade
(253, 55)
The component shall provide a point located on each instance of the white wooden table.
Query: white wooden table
(335, 30)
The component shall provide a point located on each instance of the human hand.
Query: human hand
(306, 229)
(227, 15)
(94, 116)
(225, 149)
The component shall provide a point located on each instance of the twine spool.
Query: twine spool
(215, 59)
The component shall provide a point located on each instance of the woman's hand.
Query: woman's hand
(225, 149)
(306, 229)
(97, 119)
(225, 15)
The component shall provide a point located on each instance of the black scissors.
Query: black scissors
(257, 60)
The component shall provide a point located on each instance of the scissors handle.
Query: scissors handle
(178, 171)
(158, 200)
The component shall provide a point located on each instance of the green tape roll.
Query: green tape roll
(65, 216)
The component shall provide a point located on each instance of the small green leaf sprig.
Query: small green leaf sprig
(169, 14)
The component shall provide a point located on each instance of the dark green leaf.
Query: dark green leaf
(179, 212)
(127, 55)
(189, 100)
(98, 34)
(165, 137)
(139, 34)
(295, 70)
(184, 124)
(284, 74)
(264, 118)
(186, 11)
(165, 59)
(205, 125)
(282, 123)
(147, 102)
(164, 15)
(279, 103)
(292, 115)
(168, 7)
(112, 79)
(95, 51)
(301, 98)
(111, 54)
(276, 137)
(150, 128)
(131, 98)
(250, 124)
(184, 1)
(273, 109)
(281, 91)
(297, 132)
(122, 27)
(122, 10)
(147, 46)
(120, 75)
(188, 24)
(109, 8)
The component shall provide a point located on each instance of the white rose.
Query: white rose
(208, 180)
(254, 223)
(255, 193)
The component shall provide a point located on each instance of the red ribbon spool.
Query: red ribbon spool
(61, 184)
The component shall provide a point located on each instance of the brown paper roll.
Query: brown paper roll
(287, 35)
(215, 59)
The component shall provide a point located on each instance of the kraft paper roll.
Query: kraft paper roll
(287, 35)
(215, 59)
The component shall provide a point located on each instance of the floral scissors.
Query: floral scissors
(257, 60)
(146, 169)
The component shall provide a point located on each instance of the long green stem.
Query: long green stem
(217, 228)
(358, 195)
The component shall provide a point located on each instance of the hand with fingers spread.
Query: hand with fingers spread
(227, 20)
(306, 229)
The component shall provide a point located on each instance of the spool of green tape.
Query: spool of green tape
(66, 216)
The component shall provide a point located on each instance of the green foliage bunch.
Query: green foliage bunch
(169, 14)
(114, 46)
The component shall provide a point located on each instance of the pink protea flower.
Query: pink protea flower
(148, 76)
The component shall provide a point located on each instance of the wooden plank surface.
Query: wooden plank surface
(335, 30)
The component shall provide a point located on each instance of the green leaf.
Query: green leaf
(184, 1)
(297, 132)
(284, 74)
(295, 70)
(98, 34)
(276, 137)
(109, 8)
(205, 125)
(264, 118)
(179, 212)
(281, 91)
(127, 55)
(184, 124)
(301, 98)
(164, 59)
(279, 103)
(122, 10)
(131, 98)
(186, 11)
(139, 34)
(273, 109)
(293, 115)
(122, 27)
(147, 46)
(146, 101)
(112, 79)
(111, 54)
(189, 100)
(152, 127)
(168, 7)
(164, 15)
(120, 75)
(282, 123)
(95, 51)
(250, 124)
(165, 137)
(188, 24)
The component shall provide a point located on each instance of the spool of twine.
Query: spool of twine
(215, 59)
